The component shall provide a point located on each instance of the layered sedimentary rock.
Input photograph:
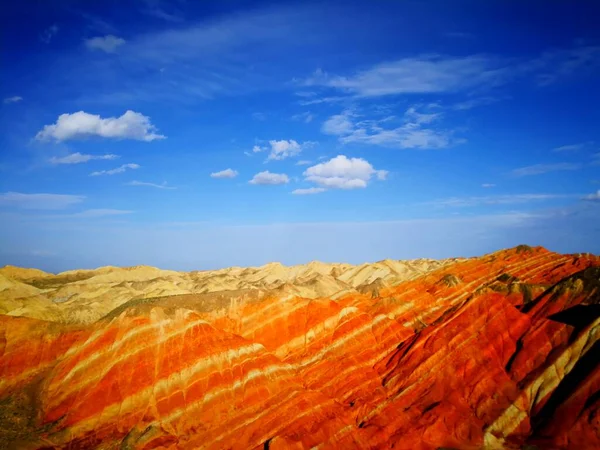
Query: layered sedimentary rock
(84, 296)
(494, 352)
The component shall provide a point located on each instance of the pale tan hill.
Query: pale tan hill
(13, 288)
(21, 273)
(84, 296)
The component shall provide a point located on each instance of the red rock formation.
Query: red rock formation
(492, 352)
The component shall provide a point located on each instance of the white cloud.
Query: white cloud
(595, 197)
(382, 175)
(259, 116)
(79, 125)
(488, 185)
(13, 99)
(163, 185)
(312, 190)
(267, 177)
(39, 201)
(413, 116)
(305, 117)
(538, 169)
(115, 171)
(108, 43)
(343, 173)
(279, 150)
(49, 33)
(78, 158)
(303, 162)
(496, 199)
(413, 133)
(338, 124)
(227, 173)
(285, 149)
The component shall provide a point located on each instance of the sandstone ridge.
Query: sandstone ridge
(84, 296)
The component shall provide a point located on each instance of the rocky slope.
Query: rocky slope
(84, 296)
(494, 352)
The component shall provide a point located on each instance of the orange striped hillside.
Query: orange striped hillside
(499, 351)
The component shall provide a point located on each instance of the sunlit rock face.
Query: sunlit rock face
(494, 352)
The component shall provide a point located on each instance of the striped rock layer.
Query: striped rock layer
(499, 352)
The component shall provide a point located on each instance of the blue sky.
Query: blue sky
(197, 135)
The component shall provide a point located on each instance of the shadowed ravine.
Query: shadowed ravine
(500, 351)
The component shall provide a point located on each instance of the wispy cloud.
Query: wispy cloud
(538, 169)
(571, 147)
(156, 8)
(197, 61)
(554, 65)
(49, 33)
(107, 44)
(339, 124)
(115, 171)
(595, 197)
(96, 213)
(488, 185)
(163, 185)
(308, 191)
(39, 201)
(320, 100)
(84, 214)
(227, 173)
(283, 149)
(269, 178)
(434, 73)
(13, 99)
(496, 200)
(303, 162)
(342, 172)
(261, 117)
(416, 131)
(474, 103)
(94, 22)
(78, 158)
(305, 117)
(417, 75)
(81, 125)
